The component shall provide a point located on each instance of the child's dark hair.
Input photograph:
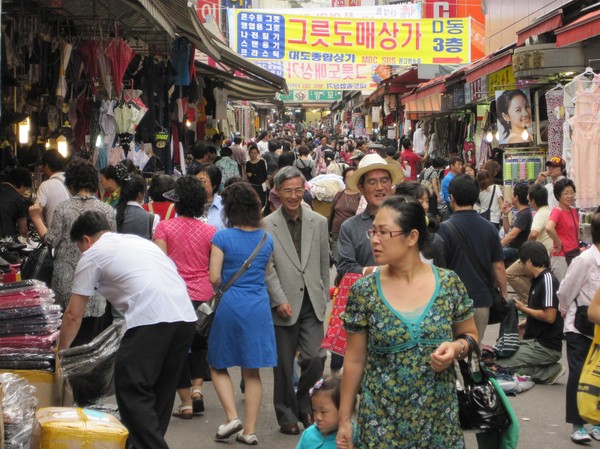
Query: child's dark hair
(330, 384)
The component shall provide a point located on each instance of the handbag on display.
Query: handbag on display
(480, 406)
(499, 307)
(39, 264)
(205, 313)
(335, 336)
(588, 390)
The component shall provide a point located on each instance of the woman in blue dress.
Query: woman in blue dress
(403, 323)
(242, 333)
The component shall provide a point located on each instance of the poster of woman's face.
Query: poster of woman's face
(513, 110)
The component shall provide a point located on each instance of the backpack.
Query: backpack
(425, 179)
(306, 170)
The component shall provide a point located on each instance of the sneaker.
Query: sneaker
(557, 376)
(227, 430)
(595, 432)
(580, 435)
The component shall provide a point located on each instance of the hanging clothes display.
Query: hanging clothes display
(555, 100)
(120, 55)
(584, 92)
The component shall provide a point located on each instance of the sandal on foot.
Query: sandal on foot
(227, 430)
(198, 402)
(249, 439)
(184, 412)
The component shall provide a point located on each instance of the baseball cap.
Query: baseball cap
(555, 161)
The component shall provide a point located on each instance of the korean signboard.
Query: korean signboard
(355, 41)
(306, 96)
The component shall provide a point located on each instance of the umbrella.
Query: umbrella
(120, 55)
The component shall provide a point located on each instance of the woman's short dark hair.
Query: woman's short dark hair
(286, 159)
(191, 197)
(226, 151)
(539, 194)
(109, 172)
(241, 205)
(199, 150)
(303, 150)
(536, 252)
(484, 179)
(89, 223)
(253, 146)
(82, 175)
(159, 185)
(214, 174)
(411, 189)
(131, 187)
(561, 185)
(346, 171)
(233, 180)
(410, 215)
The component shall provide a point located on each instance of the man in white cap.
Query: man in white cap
(375, 179)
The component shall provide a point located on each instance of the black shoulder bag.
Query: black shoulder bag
(206, 311)
(479, 405)
(499, 307)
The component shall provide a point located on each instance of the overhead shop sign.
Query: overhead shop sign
(286, 37)
(306, 96)
(401, 11)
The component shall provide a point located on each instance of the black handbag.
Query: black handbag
(39, 264)
(205, 313)
(582, 322)
(480, 406)
(499, 307)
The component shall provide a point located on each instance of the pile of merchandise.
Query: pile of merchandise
(18, 410)
(29, 323)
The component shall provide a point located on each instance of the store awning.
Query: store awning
(583, 28)
(489, 64)
(239, 88)
(549, 22)
(178, 17)
(426, 99)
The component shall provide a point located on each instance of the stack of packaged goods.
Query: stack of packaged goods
(29, 323)
(18, 411)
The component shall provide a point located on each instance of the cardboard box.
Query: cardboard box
(46, 386)
(76, 428)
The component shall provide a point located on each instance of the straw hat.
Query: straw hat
(375, 162)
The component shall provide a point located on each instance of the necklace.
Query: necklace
(350, 204)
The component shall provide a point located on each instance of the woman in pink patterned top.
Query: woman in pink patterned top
(187, 241)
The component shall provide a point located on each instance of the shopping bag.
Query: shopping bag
(588, 391)
(335, 337)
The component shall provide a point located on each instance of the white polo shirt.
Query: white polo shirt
(50, 193)
(136, 277)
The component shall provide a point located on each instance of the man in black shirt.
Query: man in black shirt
(13, 208)
(541, 348)
(519, 233)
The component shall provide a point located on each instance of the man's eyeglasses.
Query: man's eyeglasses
(289, 192)
(384, 182)
(383, 235)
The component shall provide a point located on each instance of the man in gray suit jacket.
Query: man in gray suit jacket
(298, 285)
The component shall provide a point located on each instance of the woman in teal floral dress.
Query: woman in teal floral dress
(402, 322)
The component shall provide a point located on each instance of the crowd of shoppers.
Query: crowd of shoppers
(400, 224)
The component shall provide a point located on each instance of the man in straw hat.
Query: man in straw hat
(375, 179)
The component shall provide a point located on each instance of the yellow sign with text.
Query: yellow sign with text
(286, 37)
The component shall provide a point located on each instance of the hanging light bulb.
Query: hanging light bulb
(24, 131)
(48, 144)
(63, 148)
(489, 137)
(525, 136)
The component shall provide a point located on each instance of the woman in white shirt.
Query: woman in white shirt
(490, 197)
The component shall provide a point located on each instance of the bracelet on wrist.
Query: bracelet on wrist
(462, 349)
